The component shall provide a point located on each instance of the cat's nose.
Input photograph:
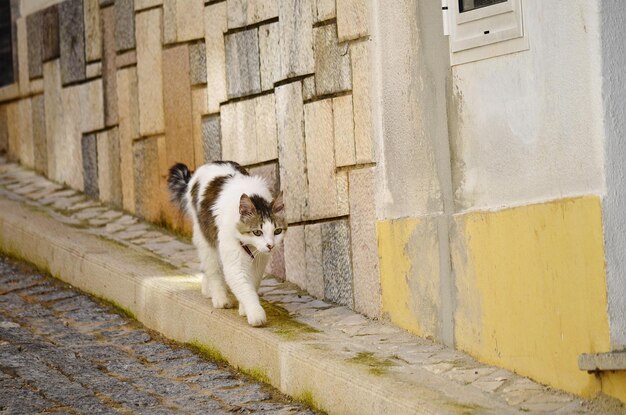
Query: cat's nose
(269, 246)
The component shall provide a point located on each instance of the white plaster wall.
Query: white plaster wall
(612, 18)
(527, 126)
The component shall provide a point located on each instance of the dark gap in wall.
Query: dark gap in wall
(7, 76)
(325, 22)
(326, 96)
(252, 26)
(290, 80)
(324, 220)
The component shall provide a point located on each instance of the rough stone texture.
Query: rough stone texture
(177, 90)
(247, 12)
(125, 59)
(243, 72)
(336, 262)
(40, 145)
(149, 72)
(125, 25)
(215, 24)
(238, 124)
(361, 102)
(4, 129)
(352, 19)
(314, 269)
(144, 4)
(296, 38)
(197, 63)
(343, 194)
(308, 88)
(276, 266)
(345, 153)
(269, 52)
(89, 147)
(320, 160)
(128, 106)
(105, 3)
(34, 23)
(270, 173)
(367, 296)
(295, 256)
(15, 10)
(211, 138)
(72, 41)
(109, 179)
(50, 38)
(25, 129)
(265, 120)
(332, 62)
(109, 66)
(146, 161)
(325, 10)
(93, 39)
(13, 132)
(55, 127)
(182, 20)
(23, 76)
(291, 150)
(93, 70)
(198, 108)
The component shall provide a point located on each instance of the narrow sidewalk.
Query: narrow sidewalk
(326, 355)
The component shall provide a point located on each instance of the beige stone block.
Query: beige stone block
(13, 132)
(93, 38)
(40, 150)
(352, 19)
(4, 128)
(149, 72)
(332, 62)
(91, 101)
(291, 150)
(125, 59)
(361, 101)
(325, 10)
(53, 102)
(109, 175)
(247, 12)
(314, 268)
(69, 158)
(128, 106)
(367, 293)
(270, 173)
(215, 24)
(238, 123)
(265, 123)
(198, 108)
(269, 49)
(25, 131)
(296, 38)
(146, 4)
(22, 56)
(308, 88)
(182, 20)
(93, 70)
(109, 64)
(9, 92)
(345, 152)
(295, 256)
(147, 178)
(320, 159)
(36, 86)
(343, 196)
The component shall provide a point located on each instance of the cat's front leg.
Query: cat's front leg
(213, 284)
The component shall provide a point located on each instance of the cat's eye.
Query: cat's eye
(257, 233)
(278, 231)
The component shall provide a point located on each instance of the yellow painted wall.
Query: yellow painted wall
(531, 290)
(614, 384)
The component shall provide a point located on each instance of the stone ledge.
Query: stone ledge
(593, 362)
(327, 355)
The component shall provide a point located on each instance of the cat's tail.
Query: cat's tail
(177, 181)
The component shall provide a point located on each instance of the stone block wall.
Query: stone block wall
(113, 92)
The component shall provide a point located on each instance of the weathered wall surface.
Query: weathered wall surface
(111, 93)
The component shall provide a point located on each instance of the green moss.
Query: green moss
(306, 397)
(376, 366)
(464, 409)
(126, 312)
(257, 374)
(280, 322)
(207, 351)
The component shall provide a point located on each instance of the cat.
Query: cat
(236, 226)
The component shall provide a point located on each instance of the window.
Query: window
(482, 29)
(7, 75)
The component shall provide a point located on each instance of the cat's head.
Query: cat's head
(261, 224)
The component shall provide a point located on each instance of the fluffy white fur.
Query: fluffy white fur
(228, 265)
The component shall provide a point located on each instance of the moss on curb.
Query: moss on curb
(257, 374)
(376, 366)
(280, 322)
(207, 351)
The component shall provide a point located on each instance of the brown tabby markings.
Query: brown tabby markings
(205, 215)
(194, 195)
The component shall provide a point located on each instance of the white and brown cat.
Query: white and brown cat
(236, 225)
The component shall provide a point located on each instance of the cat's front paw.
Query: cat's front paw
(256, 316)
(242, 310)
(222, 301)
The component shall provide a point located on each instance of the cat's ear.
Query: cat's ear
(277, 205)
(246, 207)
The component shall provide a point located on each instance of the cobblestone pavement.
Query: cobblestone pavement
(62, 352)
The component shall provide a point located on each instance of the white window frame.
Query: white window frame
(486, 32)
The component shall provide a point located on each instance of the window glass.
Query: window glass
(467, 5)
(6, 52)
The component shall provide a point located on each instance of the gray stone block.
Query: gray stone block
(211, 138)
(125, 24)
(40, 144)
(34, 27)
(336, 263)
(89, 146)
(197, 63)
(243, 70)
(72, 41)
(50, 48)
(332, 62)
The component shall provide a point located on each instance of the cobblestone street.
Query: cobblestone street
(64, 352)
